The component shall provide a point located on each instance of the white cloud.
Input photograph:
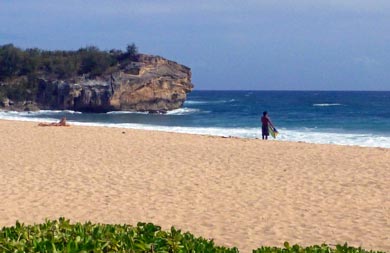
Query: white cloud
(366, 61)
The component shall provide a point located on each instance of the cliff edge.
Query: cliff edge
(138, 83)
(149, 83)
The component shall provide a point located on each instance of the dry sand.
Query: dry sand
(241, 192)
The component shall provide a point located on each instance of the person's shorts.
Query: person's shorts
(264, 130)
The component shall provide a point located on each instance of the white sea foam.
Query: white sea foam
(315, 136)
(183, 111)
(364, 140)
(52, 112)
(302, 135)
(191, 102)
(180, 111)
(325, 104)
(40, 112)
(23, 116)
(126, 112)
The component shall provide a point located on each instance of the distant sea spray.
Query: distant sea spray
(325, 104)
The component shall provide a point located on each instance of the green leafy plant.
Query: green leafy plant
(62, 236)
(313, 249)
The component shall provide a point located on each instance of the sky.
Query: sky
(228, 44)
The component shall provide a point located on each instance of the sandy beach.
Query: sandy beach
(241, 192)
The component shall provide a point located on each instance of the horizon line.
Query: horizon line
(290, 90)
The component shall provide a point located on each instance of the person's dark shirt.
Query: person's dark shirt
(265, 120)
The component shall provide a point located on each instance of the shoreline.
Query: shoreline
(184, 130)
(241, 192)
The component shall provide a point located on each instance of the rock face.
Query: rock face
(151, 84)
(148, 83)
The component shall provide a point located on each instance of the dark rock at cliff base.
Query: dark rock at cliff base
(144, 83)
(5, 102)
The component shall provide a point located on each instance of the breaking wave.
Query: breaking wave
(184, 111)
(303, 135)
(309, 136)
(325, 105)
(126, 112)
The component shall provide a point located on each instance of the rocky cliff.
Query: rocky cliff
(144, 83)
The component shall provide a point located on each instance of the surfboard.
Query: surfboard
(272, 131)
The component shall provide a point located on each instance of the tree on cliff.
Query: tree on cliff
(129, 55)
(10, 61)
(22, 68)
(62, 64)
(131, 50)
(94, 61)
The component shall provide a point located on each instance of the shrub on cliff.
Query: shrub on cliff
(20, 69)
(15, 62)
(10, 61)
(25, 89)
(94, 61)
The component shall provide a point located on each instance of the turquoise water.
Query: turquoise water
(346, 118)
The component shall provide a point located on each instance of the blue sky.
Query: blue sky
(229, 44)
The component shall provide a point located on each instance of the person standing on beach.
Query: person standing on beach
(265, 122)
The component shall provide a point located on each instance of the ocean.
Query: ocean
(359, 118)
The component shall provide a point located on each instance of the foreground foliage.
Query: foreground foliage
(313, 249)
(62, 236)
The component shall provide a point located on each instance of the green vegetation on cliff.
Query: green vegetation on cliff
(62, 236)
(16, 62)
(22, 68)
(90, 80)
